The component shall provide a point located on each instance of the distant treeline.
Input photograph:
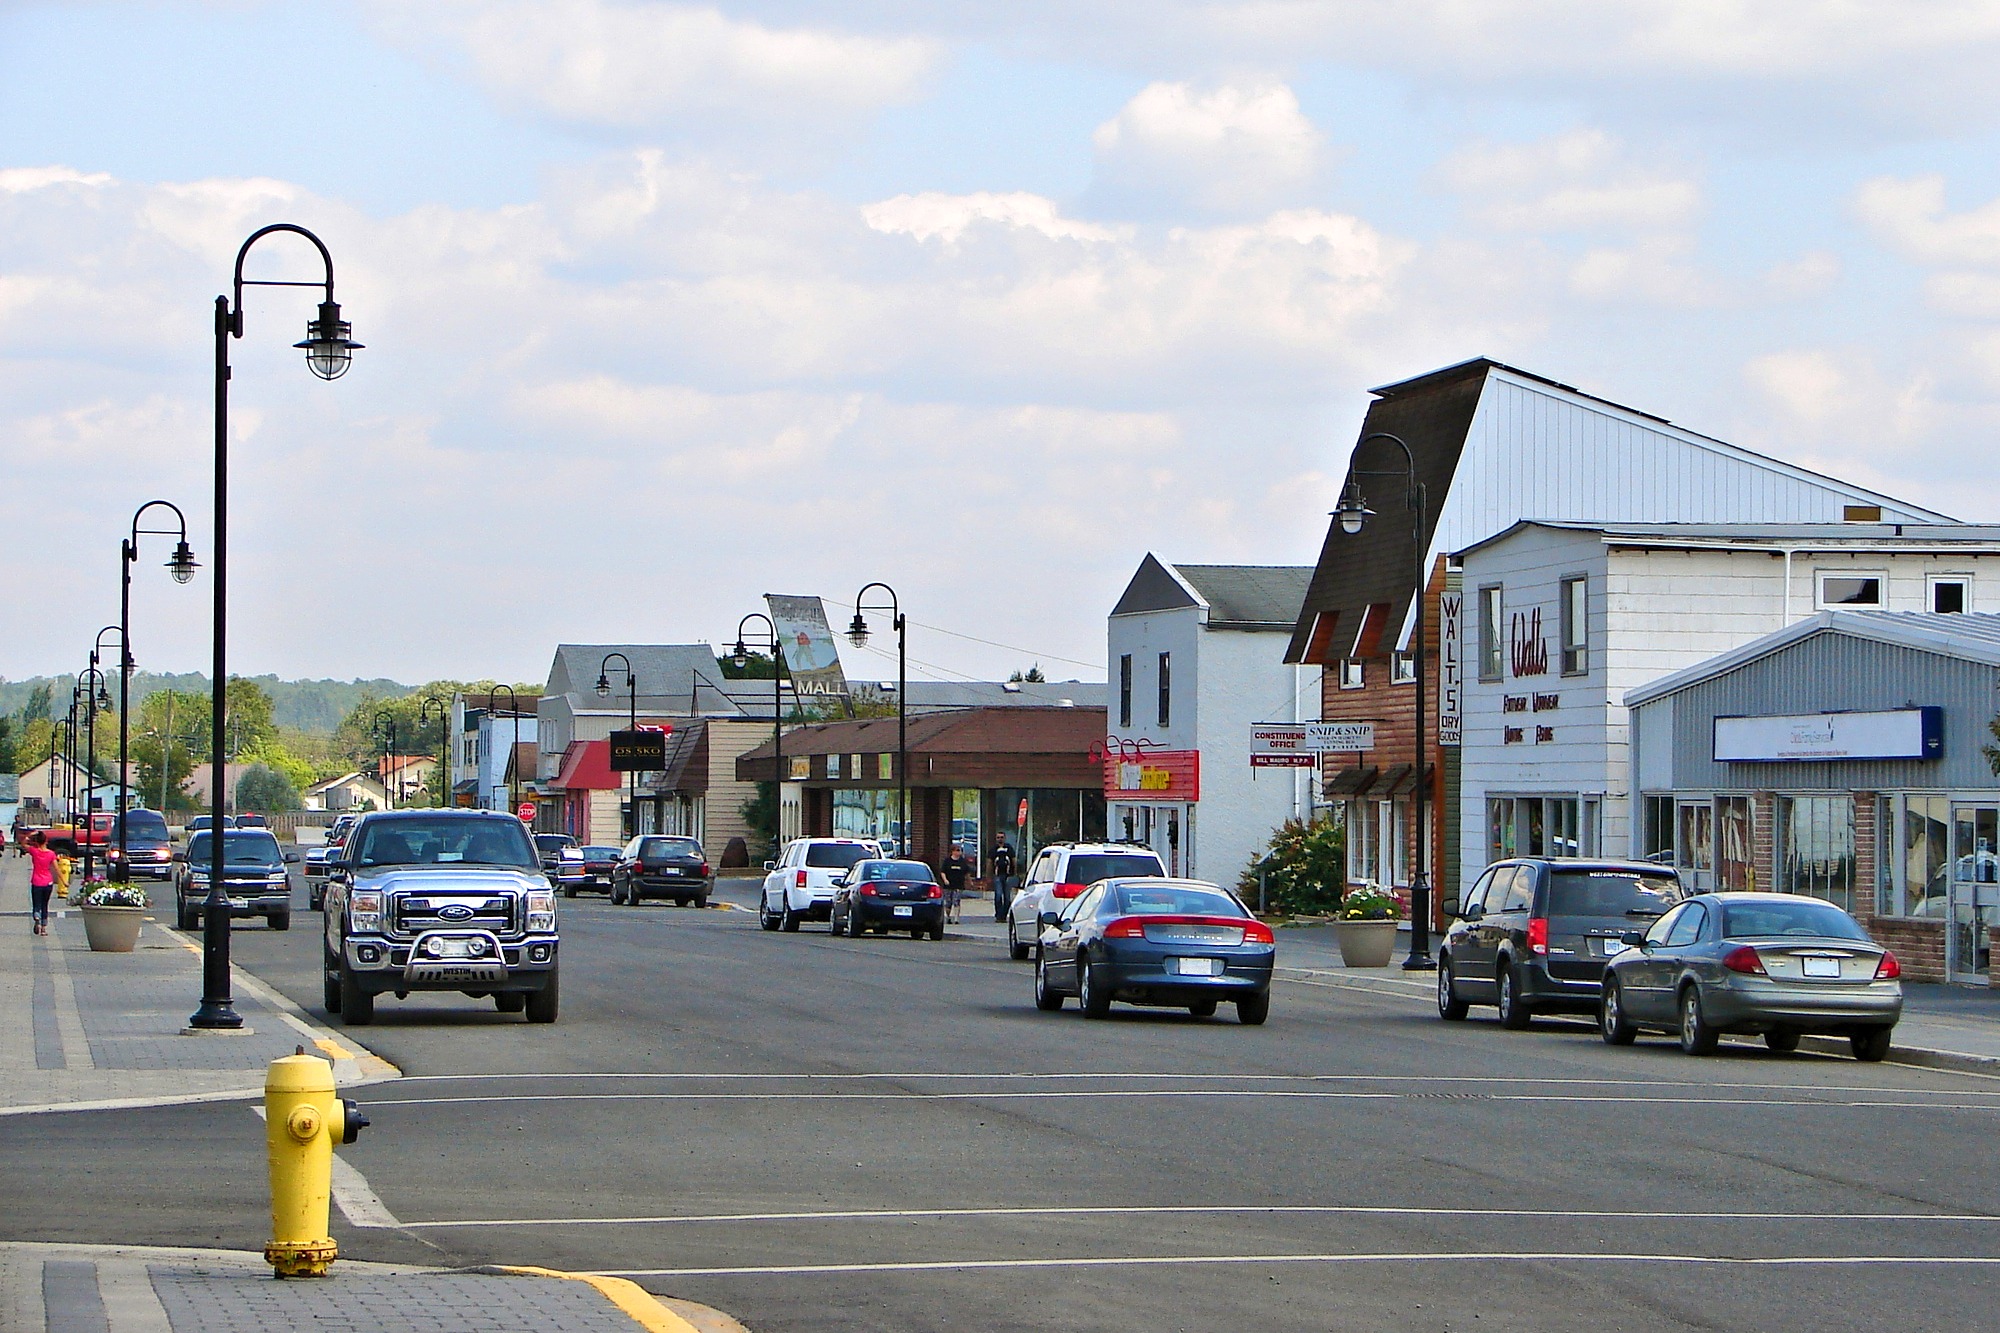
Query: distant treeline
(306, 705)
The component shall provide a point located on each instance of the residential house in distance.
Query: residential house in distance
(410, 779)
(349, 792)
(1493, 445)
(1196, 661)
(483, 727)
(1562, 619)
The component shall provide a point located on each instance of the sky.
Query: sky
(668, 306)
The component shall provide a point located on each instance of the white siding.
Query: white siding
(1243, 680)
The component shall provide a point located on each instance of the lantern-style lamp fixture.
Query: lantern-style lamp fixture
(182, 566)
(328, 346)
(741, 655)
(1353, 512)
(857, 631)
(603, 686)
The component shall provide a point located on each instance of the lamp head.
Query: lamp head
(1353, 512)
(103, 699)
(327, 346)
(603, 686)
(740, 656)
(857, 631)
(182, 566)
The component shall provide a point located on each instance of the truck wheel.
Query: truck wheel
(764, 917)
(510, 1002)
(1015, 949)
(280, 920)
(702, 902)
(357, 1004)
(569, 890)
(329, 982)
(789, 923)
(185, 917)
(541, 1004)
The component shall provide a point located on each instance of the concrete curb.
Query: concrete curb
(643, 1307)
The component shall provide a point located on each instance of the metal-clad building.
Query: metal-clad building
(1846, 757)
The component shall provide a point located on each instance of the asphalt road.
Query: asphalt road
(885, 1134)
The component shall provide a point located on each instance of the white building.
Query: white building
(1562, 618)
(483, 729)
(1196, 659)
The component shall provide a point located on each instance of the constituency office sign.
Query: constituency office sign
(1300, 744)
(1902, 733)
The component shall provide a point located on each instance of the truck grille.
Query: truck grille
(420, 913)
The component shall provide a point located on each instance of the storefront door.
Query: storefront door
(1975, 890)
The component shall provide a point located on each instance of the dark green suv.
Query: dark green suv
(1533, 933)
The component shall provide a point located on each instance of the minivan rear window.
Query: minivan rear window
(145, 824)
(1610, 893)
(657, 847)
(835, 855)
(1091, 868)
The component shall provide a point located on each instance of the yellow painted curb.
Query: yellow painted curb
(627, 1295)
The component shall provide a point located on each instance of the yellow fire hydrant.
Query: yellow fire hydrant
(302, 1122)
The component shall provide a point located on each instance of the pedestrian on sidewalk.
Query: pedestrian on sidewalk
(41, 880)
(955, 869)
(1003, 877)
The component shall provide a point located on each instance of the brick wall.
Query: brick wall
(1917, 943)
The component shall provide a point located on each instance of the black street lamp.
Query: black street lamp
(387, 722)
(182, 567)
(69, 752)
(632, 689)
(514, 707)
(741, 656)
(328, 350)
(95, 698)
(857, 634)
(444, 743)
(1352, 515)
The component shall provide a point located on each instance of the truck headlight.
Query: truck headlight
(541, 911)
(364, 912)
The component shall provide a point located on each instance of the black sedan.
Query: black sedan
(888, 895)
(1774, 964)
(1178, 943)
(599, 865)
(659, 866)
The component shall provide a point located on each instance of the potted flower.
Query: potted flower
(112, 916)
(1366, 927)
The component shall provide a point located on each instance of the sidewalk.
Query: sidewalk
(114, 1289)
(107, 1028)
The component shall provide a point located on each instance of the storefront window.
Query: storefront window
(1816, 840)
(1694, 849)
(1926, 849)
(1734, 870)
(965, 823)
(864, 812)
(1657, 836)
(1540, 826)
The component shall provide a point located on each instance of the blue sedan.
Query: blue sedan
(1176, 943)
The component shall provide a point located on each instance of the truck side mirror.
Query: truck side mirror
(770, 865)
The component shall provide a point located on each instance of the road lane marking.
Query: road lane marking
(1141, 1210)
(1417, 1256)
(358, 1201)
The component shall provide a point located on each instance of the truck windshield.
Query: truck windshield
(445, 840)
(250, 847)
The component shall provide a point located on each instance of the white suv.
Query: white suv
(1064, 870)
(799, 886)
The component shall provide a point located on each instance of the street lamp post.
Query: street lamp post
(514, 707)
(741, 657)
(328, 350)
(1353, 514)
(444, 745)
(95, 697)
(387, 722)
(182, 567)
(857, 634)
(632, 690)
(69, 758)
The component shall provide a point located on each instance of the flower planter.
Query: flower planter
(113, 929)
(1366, 943)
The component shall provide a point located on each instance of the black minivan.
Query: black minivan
(145, 843)
(1534, 933)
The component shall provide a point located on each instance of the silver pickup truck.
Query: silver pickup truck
(439, 900)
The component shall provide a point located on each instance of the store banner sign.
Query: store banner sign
(641, 751)
(807, 643)
(1299, 744)
(1451, 669)
(1903, 733)
(1155, 775)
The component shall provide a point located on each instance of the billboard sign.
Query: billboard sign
(642, 751)
(1903, 733)
(1300, 744)
(807, 643)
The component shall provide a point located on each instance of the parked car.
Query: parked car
(658, 865)
(440, 900)
(200, 824)
(888, 895)
(1062, 871)
(561, 859)
(1774, 964)
(799, 884)
(315, 870)
(599, 865)
(147, 846)
(1151, 941)
(251, 819)
(254, 878)
(342, 825)
(1533, 934)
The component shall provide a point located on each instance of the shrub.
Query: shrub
(1306, 872)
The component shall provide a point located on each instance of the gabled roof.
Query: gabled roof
(1971, 637)
(672, 677)
(1236, 596)
(1967, 537)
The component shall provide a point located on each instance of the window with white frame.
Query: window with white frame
(1352, 674)
(1576, 626)
(1403, 669)
(1489, 632)
(1852, 590)
(1950, 594)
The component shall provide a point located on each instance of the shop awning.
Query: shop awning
(1351, 781)
(586, 766)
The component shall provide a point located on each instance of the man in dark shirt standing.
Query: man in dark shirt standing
(955, 869)
(1003, 877)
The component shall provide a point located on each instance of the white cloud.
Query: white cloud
(1581, 180)
(641, 65)
(1234, 148)
(946, 216)
(1909, 214)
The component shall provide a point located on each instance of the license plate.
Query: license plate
(1822, 967)
(904, 911)
(1196, 967)
(604, 879)
(1612, 947)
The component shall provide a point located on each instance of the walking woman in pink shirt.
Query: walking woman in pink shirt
(41, 879)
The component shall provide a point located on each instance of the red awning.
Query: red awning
(586, 766)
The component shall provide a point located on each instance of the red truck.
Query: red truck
(70, 839)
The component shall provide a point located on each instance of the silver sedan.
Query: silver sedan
(1774, 964)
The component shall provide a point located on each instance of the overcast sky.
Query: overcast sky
(667, 306)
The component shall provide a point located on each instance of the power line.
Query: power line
(990, 643)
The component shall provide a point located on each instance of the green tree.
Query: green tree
(1305, 868)
(264, 789)
(1033, 676)
(169, 738)
(760, 813)
(7, 728)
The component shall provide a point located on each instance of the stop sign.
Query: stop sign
(527, 811)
